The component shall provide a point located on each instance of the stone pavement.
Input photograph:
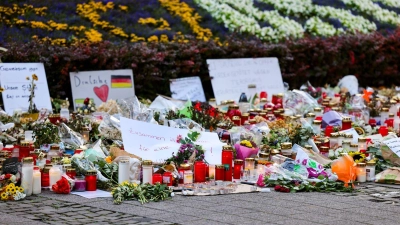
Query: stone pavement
(372, 204)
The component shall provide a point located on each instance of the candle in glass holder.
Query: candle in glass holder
(91, 180)
(211, 172)
(227, 158)
(238, 169)
(37, 184)
(219, 172)
(317, 126)
(181, 171)
(199, 171)
(310, 118)
(361, 172)
(362, 143)
(318, 113)
(80, 183)
(346, 123)
(260, 170)
(333, 141)
(353, 147)
(157, 178)
(147, 175)
(85, 134)
(348, 137)
(384, 115)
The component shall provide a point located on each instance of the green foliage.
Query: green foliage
(325, 185)
(45, 133)
(140, 192)
(110, 171)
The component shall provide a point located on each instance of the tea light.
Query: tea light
(85, 134)
(211, 172)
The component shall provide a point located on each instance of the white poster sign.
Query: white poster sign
(16, 87)
(394, 145)
(101, 86)
(188, 87)
(157, 143)
(231, 77)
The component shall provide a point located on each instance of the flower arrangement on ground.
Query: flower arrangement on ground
(246, 149)
(188, 152)
(11, 192)
(358, 157)
(141, 192)
(88, 107)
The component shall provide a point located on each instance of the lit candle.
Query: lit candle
(37, 181)
(211, 172)
(85, 134)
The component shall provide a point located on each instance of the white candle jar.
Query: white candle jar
(317, 126)
(123, 171)
(147, 167)
(37, 181)
(362, 143)
(55, 175)
(27, 175)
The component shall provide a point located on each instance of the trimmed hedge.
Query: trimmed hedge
(373, 58)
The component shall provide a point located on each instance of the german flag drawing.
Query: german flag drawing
(121, 81)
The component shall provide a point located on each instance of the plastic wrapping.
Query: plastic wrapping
(110, 128)
(132, 108)
(82, 165)
(67, 135)
(299, 102)
(331, 118)
(186, 123)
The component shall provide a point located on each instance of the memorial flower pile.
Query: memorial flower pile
(11, 192)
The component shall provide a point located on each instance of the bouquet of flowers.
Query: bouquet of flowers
(88, 107)
(141, 192)
(11, 192)
(189, 151)
(64, 185)
(246, 149)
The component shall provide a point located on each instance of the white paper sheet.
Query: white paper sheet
(93, 194)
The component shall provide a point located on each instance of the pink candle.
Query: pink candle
(80, 184)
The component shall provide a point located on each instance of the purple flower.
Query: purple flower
(304, 162)
(185, 161)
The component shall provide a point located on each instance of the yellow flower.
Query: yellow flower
(11, 185)
(4, 196)
(1, 89)
(12, 190)
(153, 38)
(8, 189)
(108, 159)
(358, 157)
(35, 77)
(20, 189)
(27, 78)
(123, 7)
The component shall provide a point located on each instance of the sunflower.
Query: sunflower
(4, 196)
(1, 89)
(11, 185)
(8, 190)
(358, 157)
(12, 190)
(20, 189)
(35, 77)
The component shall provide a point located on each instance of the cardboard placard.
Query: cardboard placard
(157, 143)
(11, 165)
(187, 88)
(101, 85)
(394, 145)
(16, 87)
(231, 77)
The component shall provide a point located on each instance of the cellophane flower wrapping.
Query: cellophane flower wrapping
(64, 185)
(243, 152)
(299, 102)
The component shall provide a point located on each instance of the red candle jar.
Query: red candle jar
(244, 118)
(372, 122)
(252, 114)
(181, 171)
(277, 98)
(157, 178)
(318, 144)
(346, 123)
(71, 173)
(219, 172)
(25, 149)
(390, 121)
(167, 178)
(91, 180)
(199, 171)
(324, 151)
(236, 120)
(227, 158)
(328, 131)
(237, 168)
(233, 110)
(383, 130)
(45, 180)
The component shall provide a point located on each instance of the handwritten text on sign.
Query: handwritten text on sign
(231, 77)
(188, 87)
(17, 87)
(394, 145)
(101, 86)
(157, 143)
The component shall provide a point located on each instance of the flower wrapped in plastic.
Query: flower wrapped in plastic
(64, 185)
(245, 142)
(299, 102)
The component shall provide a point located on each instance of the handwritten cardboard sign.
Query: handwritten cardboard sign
(394, 145)
(231, 77)
(157, 143)
(101, 86)
(16, 87)
(188, 87)
(10, 165)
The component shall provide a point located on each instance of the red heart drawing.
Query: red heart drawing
(101, 92)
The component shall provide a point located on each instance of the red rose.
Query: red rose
(86, 102)
(7, 176)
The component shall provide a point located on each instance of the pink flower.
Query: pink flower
(178, 139)
(260, 181)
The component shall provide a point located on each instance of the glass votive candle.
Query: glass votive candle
(91, 180)
(334, 140)
(80, 183)
(157, 178)
(353, 147)
(362, 143)
(317, 126)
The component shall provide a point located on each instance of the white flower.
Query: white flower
(13, 178)
(86, 111)
(92, 109)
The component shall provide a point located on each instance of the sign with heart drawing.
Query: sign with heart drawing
(101, 86)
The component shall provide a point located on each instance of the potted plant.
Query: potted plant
(33, 112)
